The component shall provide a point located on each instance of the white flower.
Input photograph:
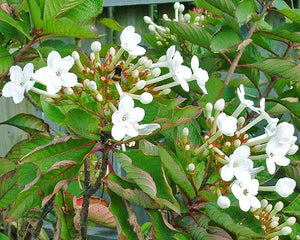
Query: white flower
(19, 82)
(245, 192)
(219, 105)
(223, 202)
(239, 164)
(56, 74)
(199, 74)
(125, 119)
(227, 124)
(285, 186)
(179, 72)
(272, 122)
(130, 40)
(279, 145)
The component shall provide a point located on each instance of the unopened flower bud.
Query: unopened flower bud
(75, 55)
(291, 221)
(148, 63)
(285, 186)
(237, 143)
(140, 84)
(146, 98)
(187, 147)
(112, 51)
(264, 203)
(206, 152)
(92, 56)
(155, 72)
(197, 19)
(69, 91)
(166, 91)
(269, 208)
(278, 206)
(181, 8)
(142, 60)
(275, 219)
(92, 85)
(241, 121)
(191, 167)
(223, 202)
(176, 5)
(187, 17)
(147, 19)
(185, 131)
(159, 43)
(274, 224)
(219, 105)
(151, 28)
(96, 46)
(99, 97)
(227, 144)
(208, 109)
(165, 17)
(286, 230)
(135, 73)
(86, 82)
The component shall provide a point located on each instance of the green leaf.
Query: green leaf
(35, 13)
(234, 220)
(28, 123)
(3, 236)
(9, 31)
(292, 14)
(110, 23)
(225, 40)
(224, 5)
(292, 105)
(19, 25)
(148, 148)
(176, 172)
(280, 67)
(33, 194)
(244, 11)
(83, 123)
(52, 111)
(190, 32)
(8, 189)
(58, 150)
(54, 8)
(21, 148)
(293, 170)
(65, 218)
(147, 173)
(280, 4)
(69, 28)
(125, 230)
(130, 191)
(6, 166)
(5, 60)
(293, 208)
(205, 5)
(85, 11)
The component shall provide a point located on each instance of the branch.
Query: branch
(241, 49)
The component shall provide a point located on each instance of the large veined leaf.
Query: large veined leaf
(54, 8)
(21, 148)
(176, 172)
(19, 25)
(130, 191)
(293, 106)
(280, 67)
(293, 14)
(235, 221)
(110, 23)
(5, 60)
(225, 40)
(224, 5)
(69, 28)
(35, 10)
(8, 189)
(6, 165)
(85, 11)
(148, 148)
(147, 173)
(83, 123)
(58, 150)
(29, 123)
(33, 193)
(244, 10)
(190, 32)
(294, 207)
(125, 230)
(52, 111)
(205, 5)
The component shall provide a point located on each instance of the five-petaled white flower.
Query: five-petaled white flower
(56, 74)
(279, 145)
(245, 191)
(19, 82)
(130, 40)
(227, 124)
(125, 119)
(199, 74)
(239, 165)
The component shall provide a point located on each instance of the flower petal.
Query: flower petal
(16, 74)
(270, 165)
(118, 132)
(227, 172)
(244, 203)
(69, 79)
(126, 104)
(195, 63)
(53, 60)
(28, 71)
(136, 114)
(65, 64)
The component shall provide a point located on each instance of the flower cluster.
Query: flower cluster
(114, 79)
(239, 158)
